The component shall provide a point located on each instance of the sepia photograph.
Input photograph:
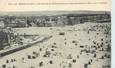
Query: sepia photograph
(55, 39)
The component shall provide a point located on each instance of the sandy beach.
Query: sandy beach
(80, 46)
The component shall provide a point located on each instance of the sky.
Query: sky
(35, 5)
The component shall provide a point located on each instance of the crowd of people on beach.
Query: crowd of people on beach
(85, 47)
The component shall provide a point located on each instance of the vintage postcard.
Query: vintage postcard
(55, 33)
